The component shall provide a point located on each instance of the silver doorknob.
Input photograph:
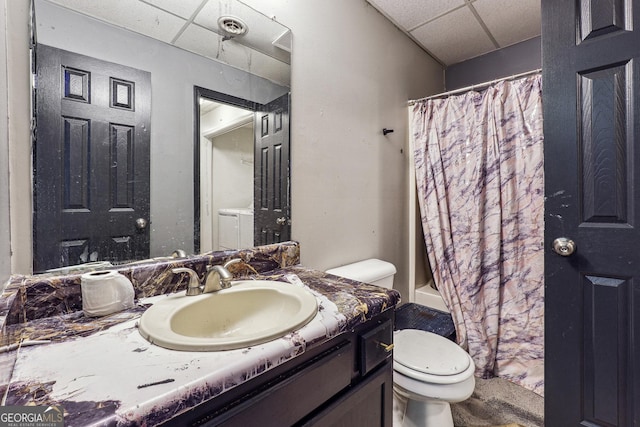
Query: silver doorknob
(282, 220)
(563, 246)
(141, 223)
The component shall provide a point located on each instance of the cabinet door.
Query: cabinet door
(228, 231)
(291, 399)
(370, 403)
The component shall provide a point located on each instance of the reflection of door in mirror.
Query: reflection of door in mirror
(91, 159)
(273, 208)
(242, 159)
(226, 176)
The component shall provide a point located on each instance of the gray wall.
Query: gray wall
(515, 59)
(5, 232)
(18, 130)
(174, 73)
(352, 73)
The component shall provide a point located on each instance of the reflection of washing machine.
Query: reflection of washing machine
(235, 228)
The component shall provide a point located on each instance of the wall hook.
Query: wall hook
(385, 131)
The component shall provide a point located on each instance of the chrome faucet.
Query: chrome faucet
(194, 287)
(218, 277)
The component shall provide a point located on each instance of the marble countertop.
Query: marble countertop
(101, 371)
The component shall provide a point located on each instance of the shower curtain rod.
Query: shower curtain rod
(476, 86)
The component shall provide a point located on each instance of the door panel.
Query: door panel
(592, 297)
(607, 345)
(598, 17)
(605, 147)
(91, 158)
(271, 192)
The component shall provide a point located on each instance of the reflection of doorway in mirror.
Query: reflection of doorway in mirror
(226, 175)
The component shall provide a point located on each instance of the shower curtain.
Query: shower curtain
(479, 172)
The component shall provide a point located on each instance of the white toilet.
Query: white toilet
(429, 371)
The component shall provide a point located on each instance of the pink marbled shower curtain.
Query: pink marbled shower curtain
(479, 172)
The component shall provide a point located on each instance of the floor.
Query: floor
(498, 402)
(494, 403)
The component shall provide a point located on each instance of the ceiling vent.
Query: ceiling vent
(232, 26)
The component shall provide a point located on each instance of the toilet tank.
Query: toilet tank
(373, 271)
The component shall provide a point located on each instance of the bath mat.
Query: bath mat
(416, 316)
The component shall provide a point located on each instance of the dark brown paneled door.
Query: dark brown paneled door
(91, 160)
(591, 98)
(271, 175)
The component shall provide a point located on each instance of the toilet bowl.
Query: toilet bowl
(429, 371)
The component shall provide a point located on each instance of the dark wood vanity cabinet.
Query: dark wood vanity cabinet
(368, 403)
(347, 381)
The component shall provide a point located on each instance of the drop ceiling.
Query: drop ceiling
(453, 31)
(193, 25)
(189, 24)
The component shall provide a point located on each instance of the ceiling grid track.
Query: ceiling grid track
(482, 24)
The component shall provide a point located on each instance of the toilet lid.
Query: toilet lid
(428, 353)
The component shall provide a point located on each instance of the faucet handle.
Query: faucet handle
(178, 253)
(194, 281)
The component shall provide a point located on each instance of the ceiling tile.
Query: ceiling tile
(125, 13)
(182, 8)
(200, 40)
(209, 44)
(410, 13)
(510, 21)
(454, 37)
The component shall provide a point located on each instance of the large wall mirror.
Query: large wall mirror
(189, 66)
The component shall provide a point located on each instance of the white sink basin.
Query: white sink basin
(249, 313)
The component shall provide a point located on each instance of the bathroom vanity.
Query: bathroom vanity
(345, 381)
(336, 370)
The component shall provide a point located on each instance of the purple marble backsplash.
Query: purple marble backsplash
(28, 298)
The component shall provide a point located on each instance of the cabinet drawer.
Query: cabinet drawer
(375, 346)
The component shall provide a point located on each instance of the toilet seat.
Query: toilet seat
(429, 357)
